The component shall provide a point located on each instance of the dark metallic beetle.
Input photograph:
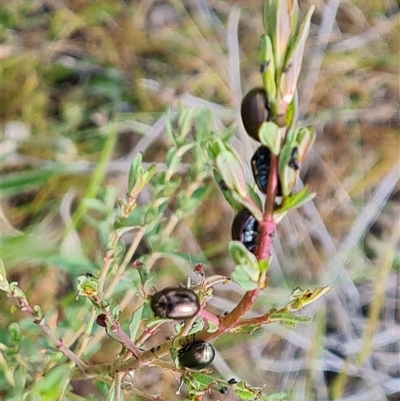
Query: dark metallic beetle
(197, 355)
(223, 390)
(254, 111)
(245, 229)
(175, 303)
(260, 163)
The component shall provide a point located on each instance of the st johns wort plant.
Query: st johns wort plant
(269, 115)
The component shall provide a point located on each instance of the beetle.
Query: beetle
(260, 163)
(245, 229)
(254, 111)
(223, 390)
(175, 303)
(196, 355)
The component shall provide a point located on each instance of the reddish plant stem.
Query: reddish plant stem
(124, 339)
(115, 327)
(267, 229)
(239, 311)
(268, 224)
(259, 320)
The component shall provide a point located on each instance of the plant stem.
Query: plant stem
(259, 320)
(25, 307)
(124, 263)
(267, 229)
(239, 311)
(268, 224)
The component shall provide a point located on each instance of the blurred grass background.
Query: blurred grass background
(73, 70)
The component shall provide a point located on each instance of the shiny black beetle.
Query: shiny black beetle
(223, 390)
(260, 163)
(254, 111)
(175, 303)
(196, 355)
(245, 229)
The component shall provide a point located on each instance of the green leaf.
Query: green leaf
(245, 392)
(197, 326)
(101, 386)
(236, 206)
(20, 376)
(116, 312)
(249, 204)
(295, 201)
(287, 175)
(301, 298)
(111, 393)
(269, 136)
(267, 62)
(147, 313)
(174, 157)
(203, 123)
(187, 205)
(231, 170)
(185, 121)
(15, 332)
(51, 386)
(288, 318)
(290, 74)
(269, 17)
(283, 31)
(246, 329)
(305, 138)
(245, 277)
(292, 112)
(135, 171)
(241, 255)
(212, 327)
(255, 198)
(169, 128)
(198, 381)
(246, 273)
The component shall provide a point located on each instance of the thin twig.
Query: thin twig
(25, 307)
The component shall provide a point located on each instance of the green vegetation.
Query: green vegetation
(120, 120)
